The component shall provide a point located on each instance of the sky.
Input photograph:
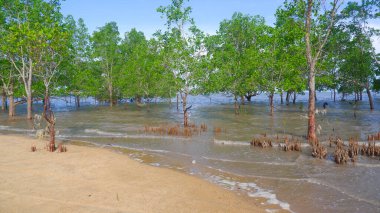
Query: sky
(142, 15)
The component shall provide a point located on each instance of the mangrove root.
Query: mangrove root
(353, 149)
(294, 145)
(33, 148)
(340, 153)
(374, 137)
(318, 150)
(176, 130)
(61, 148)
(371, 150)
(262, 142)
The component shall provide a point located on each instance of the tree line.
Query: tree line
(313, 45)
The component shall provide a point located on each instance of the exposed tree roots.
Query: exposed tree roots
(262, 142)
(374, 137)
(284, 144)
(61, 148)
(318, 150)
(292, 145)
(340, 153)
(176, 130)
(370, 150)
(33, 148)
(353, 149)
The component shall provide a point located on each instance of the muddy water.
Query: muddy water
(288, 180)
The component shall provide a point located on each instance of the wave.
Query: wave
(252, 190)
(245, 143)
(138, 149)
(258, 176)
(102, 134)
(355, 197)
(368, 165)
(99, 132)
(271, 198)
(132, 148)
(150, 150)
(346, 143)
(237, 143)
(9, 128)
(250, 162)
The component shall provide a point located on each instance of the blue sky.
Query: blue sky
(142, 15)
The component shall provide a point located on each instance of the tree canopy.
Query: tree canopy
(313, 45)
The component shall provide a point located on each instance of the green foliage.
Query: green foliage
(106, 54)
(182, 46)
(356, 58)
(78, 64)
(142, 75)
(234, 53)
(291, 47)
(35, 39)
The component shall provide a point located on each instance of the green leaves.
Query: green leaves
(235, 50)
(106, 52)
(182, 44)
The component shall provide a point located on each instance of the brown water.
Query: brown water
(289, 180)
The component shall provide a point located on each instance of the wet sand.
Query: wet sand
(90, 179)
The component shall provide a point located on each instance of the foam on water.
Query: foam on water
(237, 143)
(99, 132)
(250, 162)
(368, 165)
(271, 198)
(9, 128)
(139, 149)
(252, 190)
(102, 134)
(259, 176)
(155, 164)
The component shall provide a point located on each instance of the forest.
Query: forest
(312, 46)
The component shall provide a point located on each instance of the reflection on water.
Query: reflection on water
(290, 180)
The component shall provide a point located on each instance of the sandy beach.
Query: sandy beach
(90, 179)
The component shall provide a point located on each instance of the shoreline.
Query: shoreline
(94, 179)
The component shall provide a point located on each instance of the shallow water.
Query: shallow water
(291, 180)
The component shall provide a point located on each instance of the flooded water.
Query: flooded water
(291, 181)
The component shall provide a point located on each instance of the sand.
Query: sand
(91, 179)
